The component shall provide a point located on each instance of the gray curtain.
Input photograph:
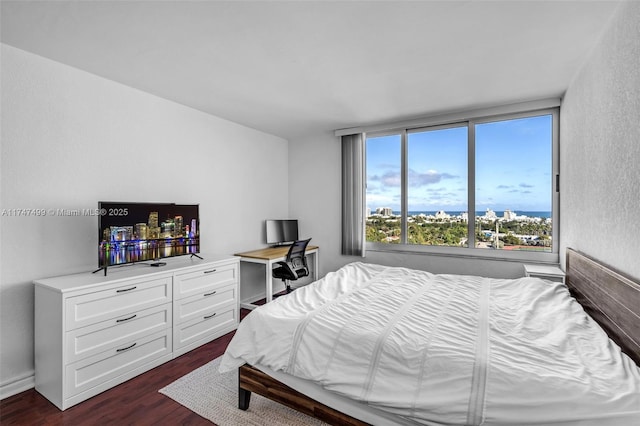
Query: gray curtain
(353, 195)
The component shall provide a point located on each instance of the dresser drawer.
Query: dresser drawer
(115, 333)
(116, 302)
(95, 370)
(205, 326)
(204, 279)
(204, 303)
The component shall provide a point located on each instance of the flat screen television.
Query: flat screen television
(281, 231)
(137, 232)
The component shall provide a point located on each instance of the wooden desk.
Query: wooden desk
(269, 256)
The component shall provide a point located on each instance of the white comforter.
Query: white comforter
(445, 349)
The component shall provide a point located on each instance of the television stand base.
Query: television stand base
(100, 269)
(158, 264)
(193, 254)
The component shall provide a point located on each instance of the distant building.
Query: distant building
(441, 214)
(153, 233)
(509, 215)
(179, 226)
(121, 233)
(167, 228)
(153, 219)
(384, 211)
(141, 231)
(490, 215)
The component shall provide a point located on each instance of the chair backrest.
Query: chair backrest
(296, 256)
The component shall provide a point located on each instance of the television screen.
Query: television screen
(281, 231)
(136, 232)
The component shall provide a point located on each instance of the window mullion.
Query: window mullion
(404, 187)
(471, 184)
(555, 190)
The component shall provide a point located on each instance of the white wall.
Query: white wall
(315, 194)
(600, 149)
(71, 139)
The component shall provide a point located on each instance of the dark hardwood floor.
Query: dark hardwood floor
(135, 402)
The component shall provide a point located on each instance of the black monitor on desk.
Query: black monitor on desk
(281, 231)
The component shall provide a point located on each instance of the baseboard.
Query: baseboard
(17, 385)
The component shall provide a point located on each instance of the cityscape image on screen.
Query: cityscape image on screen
(136, 232)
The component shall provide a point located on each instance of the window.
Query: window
(384, 170)
(513, 183)
(437, 186)
(482, 186)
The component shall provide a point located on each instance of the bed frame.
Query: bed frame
(254, 380)
(609, 297)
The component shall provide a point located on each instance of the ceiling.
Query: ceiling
(300, 67)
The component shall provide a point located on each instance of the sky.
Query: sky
(513, 167)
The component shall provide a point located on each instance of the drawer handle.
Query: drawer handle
(212, 293)
(127, 319)
(210, 316)
(210, 271)
(126, 289)
(124, 349)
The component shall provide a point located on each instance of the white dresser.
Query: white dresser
(93, 332)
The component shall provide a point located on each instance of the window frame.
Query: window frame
(470, 120)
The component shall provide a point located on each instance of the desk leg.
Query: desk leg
(269, 282)
(315, 265)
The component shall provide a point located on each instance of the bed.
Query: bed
(370, 344)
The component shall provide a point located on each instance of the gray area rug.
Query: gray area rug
(214, 396)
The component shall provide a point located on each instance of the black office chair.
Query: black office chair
(294, 266)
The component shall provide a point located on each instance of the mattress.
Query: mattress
(445, 349)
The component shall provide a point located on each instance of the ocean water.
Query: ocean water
(499, 213)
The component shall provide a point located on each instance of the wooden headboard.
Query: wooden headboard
(609, 297)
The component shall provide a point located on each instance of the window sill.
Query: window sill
(466, 253)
